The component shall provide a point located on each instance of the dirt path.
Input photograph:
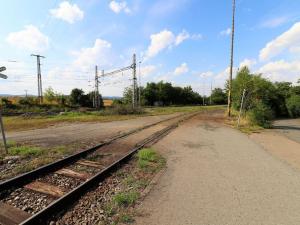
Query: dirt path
(81, 132)
(218, 176)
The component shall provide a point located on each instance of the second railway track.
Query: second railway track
(36, 196)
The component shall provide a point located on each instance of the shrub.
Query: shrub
(126, 199)
(120, 109)
(28, 101)
(293, 106)
(261, 115)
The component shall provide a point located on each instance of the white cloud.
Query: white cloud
(167, 39)
(148, 70)
(248, 62)
(226, 32)
(206, 74)
(182, 69)
(30, 38)
(118, 7)
(275, 22)
(289, 40)
(281, 70)
(96, 55)
(159, 42)
(184, 35)
(67, 12)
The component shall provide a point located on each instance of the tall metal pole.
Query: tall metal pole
(231, 61)
(3, 132)
(134, 81)
(203, 99)
(210, 92)
(1, 121)
(140, 85)
(39, 77)
(96, 88)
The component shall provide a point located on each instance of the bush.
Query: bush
(120, 109)
(28, 101)
(126, 199)
(293, 106)
(261, 115)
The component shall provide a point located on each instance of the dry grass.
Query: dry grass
(245, 125)
(17, 123)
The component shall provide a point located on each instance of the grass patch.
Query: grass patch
(126, 199)
(25, 151)
(126, 218)
(149, 160)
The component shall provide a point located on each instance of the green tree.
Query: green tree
(77, 97)
(218, 96)
(50, 95)
(293, 106)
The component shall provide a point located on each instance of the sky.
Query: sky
(185, 42)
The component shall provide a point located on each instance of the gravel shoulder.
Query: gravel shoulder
(217, 175)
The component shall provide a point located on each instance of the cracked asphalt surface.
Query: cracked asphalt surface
(218, 176)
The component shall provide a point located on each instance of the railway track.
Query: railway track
(35, 197)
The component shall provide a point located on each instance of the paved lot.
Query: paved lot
(218, 176)
(289, 127)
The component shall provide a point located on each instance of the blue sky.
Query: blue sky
(185, 42)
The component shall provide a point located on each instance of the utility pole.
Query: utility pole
(140, 85)
(96, 88)
(203, 99)
(231, 60)
(3, 76)
(210, 92)
(134, 81)
(39, 77)
(26, 93)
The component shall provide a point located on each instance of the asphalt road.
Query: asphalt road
(289, 127)
(218, 176)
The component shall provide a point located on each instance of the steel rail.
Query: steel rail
(48, 213)
(24, 178)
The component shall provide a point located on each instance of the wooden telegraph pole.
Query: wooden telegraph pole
(1, 121)
(231, 60)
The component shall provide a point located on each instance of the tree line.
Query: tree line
(165, 94)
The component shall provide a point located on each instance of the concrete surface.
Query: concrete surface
(218, 176)
(289, 127)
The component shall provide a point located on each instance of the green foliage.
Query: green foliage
(120, 109)
(28, 101)
(79, 98)
(218, 97)
(147, 155)
(264, 100)
(261, 115)
(125, 218)
(6, 103)
(293, 106)
(25, 151)
(165, 94)
(149, 160)
(50, 95)
(126, 198)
